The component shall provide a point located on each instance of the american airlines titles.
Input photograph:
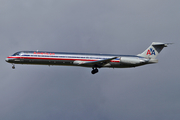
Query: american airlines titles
(42, 53)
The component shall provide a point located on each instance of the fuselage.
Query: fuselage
(74, 59)
(92, 60)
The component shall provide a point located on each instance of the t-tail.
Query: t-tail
(153, 50)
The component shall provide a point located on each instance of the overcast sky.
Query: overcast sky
(30, 92)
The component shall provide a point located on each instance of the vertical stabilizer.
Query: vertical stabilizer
(153, 50)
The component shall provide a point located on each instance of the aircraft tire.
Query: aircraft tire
(13, 67)
(94, 71)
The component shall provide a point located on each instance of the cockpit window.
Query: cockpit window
(16, 54)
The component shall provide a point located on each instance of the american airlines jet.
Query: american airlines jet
(94, 61)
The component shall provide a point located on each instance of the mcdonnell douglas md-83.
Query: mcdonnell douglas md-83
(94, 61)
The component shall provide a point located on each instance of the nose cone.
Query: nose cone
(7, 59)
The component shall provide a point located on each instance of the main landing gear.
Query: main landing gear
(94, 71)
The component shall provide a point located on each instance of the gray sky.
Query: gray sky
(98, 26)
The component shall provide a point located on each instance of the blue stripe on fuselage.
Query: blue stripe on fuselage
(71, 53)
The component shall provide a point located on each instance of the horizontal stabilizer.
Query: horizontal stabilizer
(160, 44)
(153, 50)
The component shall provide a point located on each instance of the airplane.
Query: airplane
(95, 61)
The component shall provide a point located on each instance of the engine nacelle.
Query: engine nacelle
(130, 60)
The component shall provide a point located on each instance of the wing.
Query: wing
(98, 63)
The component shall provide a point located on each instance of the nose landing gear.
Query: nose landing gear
(13, 67)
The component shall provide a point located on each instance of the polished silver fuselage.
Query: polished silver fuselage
(76, 59)
(94, 61)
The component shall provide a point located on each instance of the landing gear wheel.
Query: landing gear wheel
(13, 67)
(94, 71)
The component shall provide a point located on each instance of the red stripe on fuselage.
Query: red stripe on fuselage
(73, 59)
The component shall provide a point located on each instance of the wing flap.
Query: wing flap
(99, 63)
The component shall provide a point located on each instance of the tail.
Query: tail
(153, 50)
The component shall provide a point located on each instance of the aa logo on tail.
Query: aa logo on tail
(150, 52)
